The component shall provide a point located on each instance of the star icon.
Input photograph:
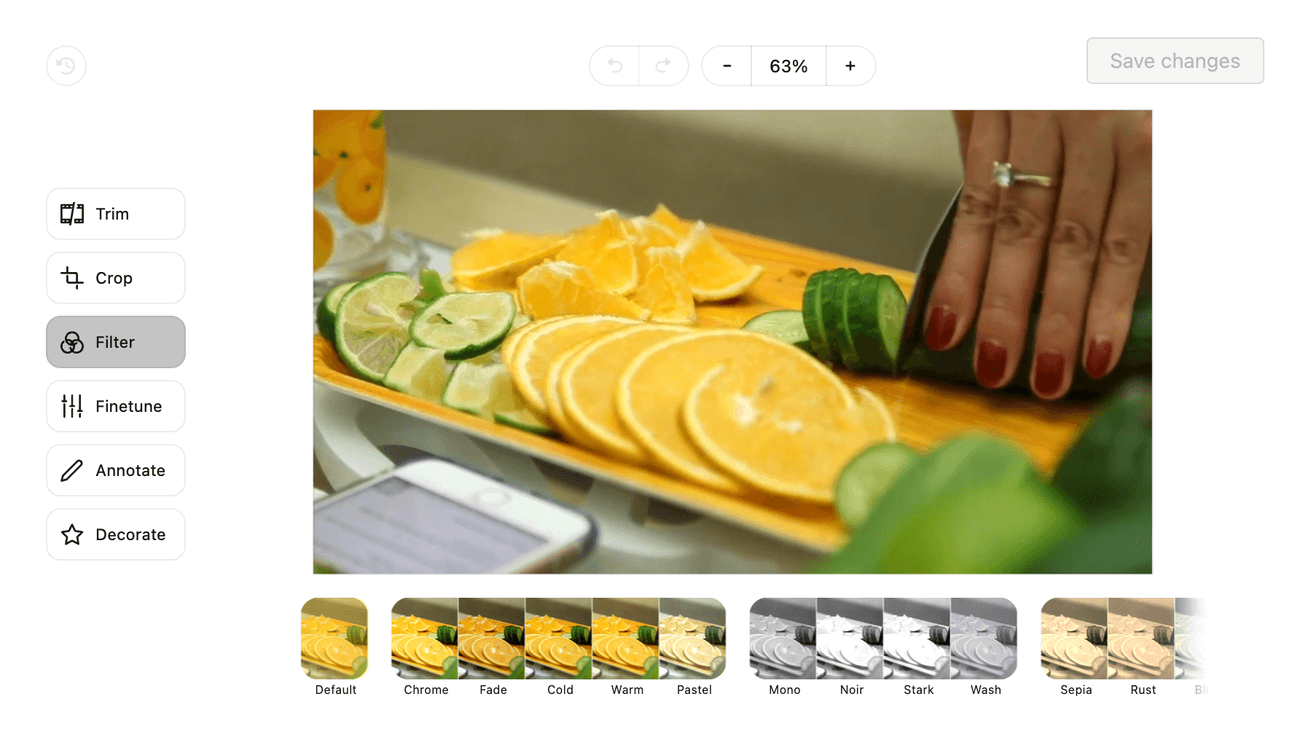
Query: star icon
(72, 535)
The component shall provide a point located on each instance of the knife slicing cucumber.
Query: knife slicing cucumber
(783, 325)
(957, 364)
(854, 319)
(866, 477)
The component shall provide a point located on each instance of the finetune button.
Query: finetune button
(133, 534)
(1198, 60)
(115, 277)
(115, 470)
(115, 213)
(111, 406)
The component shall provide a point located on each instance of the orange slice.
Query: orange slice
(653, 388)
(359, 190)
(322, 238)
(558, 288)
(712, 271)
(785, 425)
(588, 379)
(555, 405)
(536, 351)
(497, 652)
(664, 290)
(512, 339)
(605, 250)
(494, 252)
(565, 652)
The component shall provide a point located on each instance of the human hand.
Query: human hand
(1083, 242)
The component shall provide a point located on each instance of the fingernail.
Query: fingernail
(943, 324)
(1049, 371)
(1098, 359)
(990, 364)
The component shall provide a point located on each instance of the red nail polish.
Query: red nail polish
(943, 324)
(1098, 360)
(1049, 372)
(990, 364)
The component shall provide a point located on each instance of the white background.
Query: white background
(216, 100)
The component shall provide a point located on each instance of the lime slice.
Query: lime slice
(783, 325)
(372, 325)
(418, 371)
(328, 311)
(465, 324)
(524, 419)
(481, 390)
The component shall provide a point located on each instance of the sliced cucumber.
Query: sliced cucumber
(418, 371)
(812, 320)
(783, 325)
(877, 325)
(832, 301)
(866, 478)
(465, 324)
(853, 317)
(327, 312)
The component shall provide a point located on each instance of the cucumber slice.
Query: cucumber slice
(465, 324)
(877, 323)
(832, 300)
(418, 371)
(327, 312)
(783, 325)
(853, 318)
(866, 478)
(812, 320)
(373, 324)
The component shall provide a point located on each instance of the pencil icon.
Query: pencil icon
(70, 471)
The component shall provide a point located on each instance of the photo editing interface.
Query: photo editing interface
(798, 359)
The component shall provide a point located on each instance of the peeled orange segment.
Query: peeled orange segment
(653, 388)
(536, 351)
(558, 288)
(786, 425)
(646, 234)
(667, 219)
(664, 290)
(589, 378)
(496, 252)
(606, 250)
(712, 271)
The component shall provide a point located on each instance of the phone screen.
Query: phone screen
(396, 527)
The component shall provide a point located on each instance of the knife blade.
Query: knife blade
(926, 273)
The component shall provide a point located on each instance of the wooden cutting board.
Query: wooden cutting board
(568, 629)
(927, 412)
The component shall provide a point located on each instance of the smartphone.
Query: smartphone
(435, 517)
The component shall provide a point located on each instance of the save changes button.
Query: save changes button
(1175, 61)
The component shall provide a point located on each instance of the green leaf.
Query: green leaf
(651, 667)
(359, 667)
(314, 152)
(450, 668)
(1119, 545)
(584, 668)
(517, 669)
(378, 122)
(1108, 470)
(974, 505)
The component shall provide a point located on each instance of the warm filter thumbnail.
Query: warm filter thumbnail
(624, 639)
(334, 638)
(424, 639)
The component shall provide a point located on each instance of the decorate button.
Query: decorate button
(132, 534)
